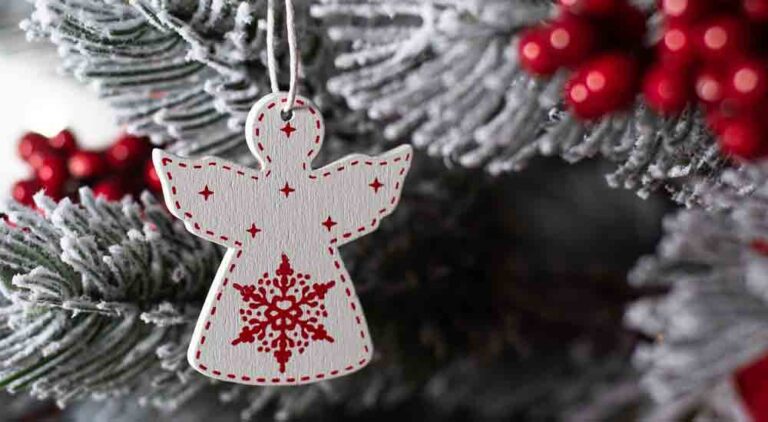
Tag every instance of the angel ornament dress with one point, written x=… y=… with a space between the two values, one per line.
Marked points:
x=282 y=309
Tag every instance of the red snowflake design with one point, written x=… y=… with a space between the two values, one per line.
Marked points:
x=282 y=314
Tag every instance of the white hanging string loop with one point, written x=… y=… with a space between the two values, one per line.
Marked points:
x=293 y=52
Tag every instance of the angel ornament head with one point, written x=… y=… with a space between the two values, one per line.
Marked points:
x=282 y=308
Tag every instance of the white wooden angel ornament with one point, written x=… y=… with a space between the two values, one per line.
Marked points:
x=282 y=308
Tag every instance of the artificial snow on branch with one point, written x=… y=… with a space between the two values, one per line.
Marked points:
x=713 y=266
x=95 y=297
x=169 y=69
x=445 y=74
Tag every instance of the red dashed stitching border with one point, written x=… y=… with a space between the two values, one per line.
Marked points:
x=317 y=125
x=187 y=216
x=405 y=159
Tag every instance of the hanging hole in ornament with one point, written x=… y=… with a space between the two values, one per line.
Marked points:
x=286 y=115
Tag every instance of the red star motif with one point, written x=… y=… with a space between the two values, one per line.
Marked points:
x=376 y=185
x=329 y=223
x=287 y=189
x=288 y=130
x=206 y=192
x=253 y=230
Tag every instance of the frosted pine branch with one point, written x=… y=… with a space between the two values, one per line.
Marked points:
x=444 y=73
x=170 y=69
x=92 y=294
x=714 y=318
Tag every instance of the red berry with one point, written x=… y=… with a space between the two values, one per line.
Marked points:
x=571 y=39
x=590 y=7
x=64 y=142
x=30 y=143
x=743 y=138
x=723 y=38
x=746 y=83
x=752 y=385
x=685 y=10
x=709 y=86
x=24 y=190
x=87 y=164
x=111 y=189
x=536 y=55
x=38 y=158
x=667 y=89
x=53 y=173
x=717 y=120
x=676 y=44
x=603 y=85
x=127 y=152
x=151 y=178
x=755 y=10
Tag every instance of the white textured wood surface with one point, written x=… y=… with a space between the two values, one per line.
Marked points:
x=285 y=219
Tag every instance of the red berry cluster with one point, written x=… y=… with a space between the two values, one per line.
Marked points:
x=602 y=42
x=709 y=52
x=60 y=167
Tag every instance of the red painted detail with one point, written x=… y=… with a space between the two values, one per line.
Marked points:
x=376 y=185
x=287 y=189
x=206 y=193
x=280 y=319
x=288 y=129
x=253 y=230
x=329 y=223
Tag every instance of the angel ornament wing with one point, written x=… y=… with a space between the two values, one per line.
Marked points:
x=282 y=309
